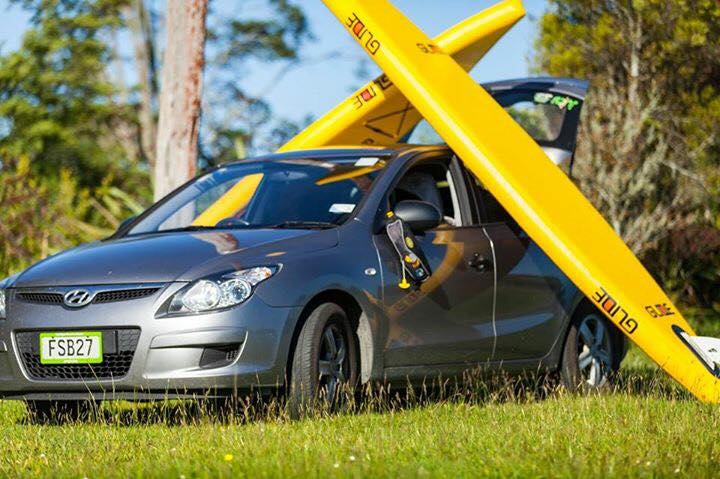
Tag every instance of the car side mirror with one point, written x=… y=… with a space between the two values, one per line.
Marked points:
x=420 y=216
x=125 y=222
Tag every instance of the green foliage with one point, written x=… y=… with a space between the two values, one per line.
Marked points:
x=60 y=113
x=650 y=139
x=57 y=104
x=690 y=261
x=75 y=124
x=44 y=215
x=29 y=206
x=676 y=44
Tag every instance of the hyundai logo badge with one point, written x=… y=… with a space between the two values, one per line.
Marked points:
x=77 y=298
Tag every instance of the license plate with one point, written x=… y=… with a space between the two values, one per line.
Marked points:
x=71 y=348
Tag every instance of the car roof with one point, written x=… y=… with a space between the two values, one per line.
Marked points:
x=341 y=152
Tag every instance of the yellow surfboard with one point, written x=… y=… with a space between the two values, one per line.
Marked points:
x=378 y=113
x=534 y=191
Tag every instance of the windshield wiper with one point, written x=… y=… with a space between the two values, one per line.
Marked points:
x=284 y=224
x=185 y=228
x=304 y=225
x=226 y=224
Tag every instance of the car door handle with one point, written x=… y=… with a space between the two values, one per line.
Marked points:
x=480 y=262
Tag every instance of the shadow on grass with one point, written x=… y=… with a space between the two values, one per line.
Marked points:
x=473 y=388
x=167 y=412
x=647 y=381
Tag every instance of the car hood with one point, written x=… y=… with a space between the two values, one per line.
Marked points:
x=175 y=256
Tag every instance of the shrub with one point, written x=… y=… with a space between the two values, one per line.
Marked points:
x=42 y=216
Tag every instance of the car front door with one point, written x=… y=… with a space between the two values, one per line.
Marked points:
x=448 y=320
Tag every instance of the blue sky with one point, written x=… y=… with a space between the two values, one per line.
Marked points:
x=316 y=86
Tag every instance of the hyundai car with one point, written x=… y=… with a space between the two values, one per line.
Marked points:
x=309 y=271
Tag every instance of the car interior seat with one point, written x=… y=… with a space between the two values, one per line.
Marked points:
x=422 y=186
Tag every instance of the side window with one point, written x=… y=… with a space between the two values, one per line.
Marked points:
x=494 y=212
x=542 y=121
x=431 y=182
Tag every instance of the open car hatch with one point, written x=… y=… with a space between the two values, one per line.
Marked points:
x=548 y=109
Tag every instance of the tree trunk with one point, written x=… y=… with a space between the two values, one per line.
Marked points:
x=144 y=45
x=177 y=140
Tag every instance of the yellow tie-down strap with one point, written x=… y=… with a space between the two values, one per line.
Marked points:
x=378 y=113
x=538 y=195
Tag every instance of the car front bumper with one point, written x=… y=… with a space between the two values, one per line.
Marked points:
x=167 y=360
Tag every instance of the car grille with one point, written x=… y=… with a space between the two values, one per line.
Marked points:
x=42 y=298
x=118 y=350
x=101 y=297
x=123 y=295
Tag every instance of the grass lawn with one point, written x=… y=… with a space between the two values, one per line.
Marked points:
x=647 y=427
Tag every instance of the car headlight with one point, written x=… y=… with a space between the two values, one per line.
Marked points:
x=218 y=292
x=4 y=285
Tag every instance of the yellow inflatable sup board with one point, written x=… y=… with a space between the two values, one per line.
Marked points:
x=378 y=113
x=534 y=191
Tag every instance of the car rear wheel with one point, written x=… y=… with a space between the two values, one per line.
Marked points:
x=324 y=366
x=60 y=411
x=592 y=353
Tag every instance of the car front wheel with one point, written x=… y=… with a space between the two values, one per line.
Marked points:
x=592 y=353
x=324 y=366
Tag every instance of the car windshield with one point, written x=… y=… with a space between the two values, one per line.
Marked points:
x=267 y=194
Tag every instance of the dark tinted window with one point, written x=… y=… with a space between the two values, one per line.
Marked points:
x=490 y=209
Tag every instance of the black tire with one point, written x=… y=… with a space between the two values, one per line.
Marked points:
x=591 y=367
x=321 y=378
x=58 y=412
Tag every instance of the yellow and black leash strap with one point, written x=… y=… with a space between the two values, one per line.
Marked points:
x=412 y=264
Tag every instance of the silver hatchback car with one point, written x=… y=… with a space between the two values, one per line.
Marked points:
x=309 y=270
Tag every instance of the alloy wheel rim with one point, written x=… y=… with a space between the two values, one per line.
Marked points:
x=332 y=363
x=594 y=360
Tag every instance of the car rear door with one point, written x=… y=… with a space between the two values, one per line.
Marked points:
x=534 y=298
